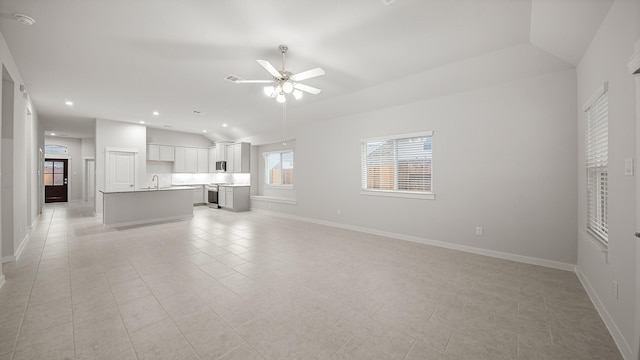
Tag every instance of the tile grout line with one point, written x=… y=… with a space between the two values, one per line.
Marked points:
x=26 y=308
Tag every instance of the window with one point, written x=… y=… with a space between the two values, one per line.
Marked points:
x=279 y=168
x=56 y=149
x=53 y=173
x=597 y=154
x=398 y=165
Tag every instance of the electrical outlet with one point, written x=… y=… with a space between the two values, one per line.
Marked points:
x=628 y=167
x=479 y=230
x=339 y=211
x=614 y=289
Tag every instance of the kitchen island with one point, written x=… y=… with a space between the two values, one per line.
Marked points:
x=147 y=205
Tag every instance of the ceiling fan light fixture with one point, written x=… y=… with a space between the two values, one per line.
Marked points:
x=281 y=98
x=269 y=90
x=297 y=94
x=287 y=87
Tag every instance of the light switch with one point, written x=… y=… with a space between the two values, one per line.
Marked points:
x=628 y=167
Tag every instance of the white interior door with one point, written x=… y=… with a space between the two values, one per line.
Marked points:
x=121 y=170
x=634 y=67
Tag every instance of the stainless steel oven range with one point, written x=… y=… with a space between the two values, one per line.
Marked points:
x=212 y=196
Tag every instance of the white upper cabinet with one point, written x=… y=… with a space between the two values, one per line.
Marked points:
x=179 y=163
x=167 y=153
x=203 y=160
x=160 y=152
x=238 y=157
x=191 y=160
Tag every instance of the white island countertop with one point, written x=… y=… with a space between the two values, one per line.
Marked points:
x=151 y=189
x=147 y=205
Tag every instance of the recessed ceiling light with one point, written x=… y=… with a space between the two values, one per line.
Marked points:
x=24 y=19
x=224 y=125
x=68 y=103
x=141 y=122
x=53 y=134
x=155 y=113
x=204 y=131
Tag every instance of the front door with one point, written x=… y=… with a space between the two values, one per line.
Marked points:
x=55 y=180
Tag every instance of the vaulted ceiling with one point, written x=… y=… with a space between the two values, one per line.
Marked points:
x=122 y=60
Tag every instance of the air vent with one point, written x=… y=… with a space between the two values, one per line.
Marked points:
x=232 y=78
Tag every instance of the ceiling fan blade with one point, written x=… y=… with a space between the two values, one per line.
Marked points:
x=307 y=88
x=307 y=74
x=254 y=82
x=272 y=70
x=239 y=80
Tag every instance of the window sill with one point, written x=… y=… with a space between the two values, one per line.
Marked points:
x=275 y=199
x=279 y=187
x=400 y=194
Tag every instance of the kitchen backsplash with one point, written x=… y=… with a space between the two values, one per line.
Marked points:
x=188 y=179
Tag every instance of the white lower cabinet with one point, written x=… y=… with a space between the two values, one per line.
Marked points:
x=198 y=195
x=235 y=198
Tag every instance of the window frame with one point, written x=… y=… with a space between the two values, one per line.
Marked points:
x=424 y=195
x=597 y=170
x=265 y=156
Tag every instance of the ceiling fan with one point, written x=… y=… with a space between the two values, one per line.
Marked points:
x=283 y=82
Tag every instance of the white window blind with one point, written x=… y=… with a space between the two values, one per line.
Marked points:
x=400 y=163
x=597 y=156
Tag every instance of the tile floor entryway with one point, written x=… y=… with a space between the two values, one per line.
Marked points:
x=254 y=286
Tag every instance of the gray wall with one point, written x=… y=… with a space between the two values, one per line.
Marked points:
x=19 y=150
x=606 y=60
x=116 y=134
x=504 y=158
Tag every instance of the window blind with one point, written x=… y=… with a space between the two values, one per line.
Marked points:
x=597 y=158
x=402 y=163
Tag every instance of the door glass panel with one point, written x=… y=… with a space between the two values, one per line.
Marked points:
x=58 y=179
x=48 y=179
x=58 y=167
x=48 y=167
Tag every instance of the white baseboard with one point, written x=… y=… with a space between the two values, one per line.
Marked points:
x=1 y=280
x=622 y=344
x=22 y=245
x=16 y=256
x=465 y=248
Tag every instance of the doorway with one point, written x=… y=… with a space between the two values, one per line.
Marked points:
x=55 y=180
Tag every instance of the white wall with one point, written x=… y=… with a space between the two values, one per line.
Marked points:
x=116 y=134
x=176 y=138
x=504 y=158
x=75 y=172
x=606 y=60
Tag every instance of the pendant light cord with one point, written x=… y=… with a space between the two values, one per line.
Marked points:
x=284 y=123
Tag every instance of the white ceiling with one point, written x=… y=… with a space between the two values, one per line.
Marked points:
x=122 y=59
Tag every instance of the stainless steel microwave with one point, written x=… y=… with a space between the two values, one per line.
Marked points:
x=221 y=166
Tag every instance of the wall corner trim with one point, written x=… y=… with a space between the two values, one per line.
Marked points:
x=1 y=280
x=615 y=332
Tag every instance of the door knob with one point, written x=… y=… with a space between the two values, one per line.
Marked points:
x=638 y=234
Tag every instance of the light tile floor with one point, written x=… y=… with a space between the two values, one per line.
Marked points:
x=253 y=286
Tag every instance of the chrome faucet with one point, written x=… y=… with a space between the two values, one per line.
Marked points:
x=157 y=180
